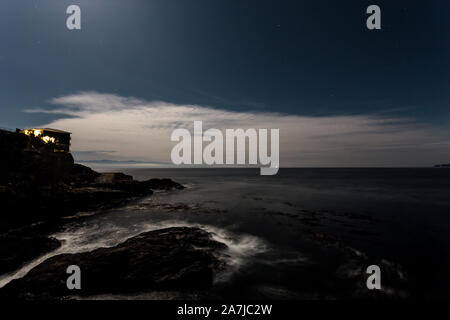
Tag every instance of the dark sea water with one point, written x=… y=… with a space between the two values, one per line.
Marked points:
x=277 y=228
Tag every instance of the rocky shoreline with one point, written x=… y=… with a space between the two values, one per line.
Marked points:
x=178 y=258
x=39 y=188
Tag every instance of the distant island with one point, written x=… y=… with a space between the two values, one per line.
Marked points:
x=442 y=166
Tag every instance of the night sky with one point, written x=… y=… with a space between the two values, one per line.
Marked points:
x=297 y=58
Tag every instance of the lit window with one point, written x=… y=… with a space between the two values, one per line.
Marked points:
x=48 y=139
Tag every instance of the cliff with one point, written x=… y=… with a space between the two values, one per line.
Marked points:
x=39 y=184
x=38 y=187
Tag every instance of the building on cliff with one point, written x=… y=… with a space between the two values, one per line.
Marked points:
x=60 y=139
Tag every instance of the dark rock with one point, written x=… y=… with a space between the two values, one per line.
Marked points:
x=18 y=248
x=113 y=178
x=38 y=185
x=82 y=175
x=25 y=162
x=91 y=198
x=167 y=259
x=162 y=184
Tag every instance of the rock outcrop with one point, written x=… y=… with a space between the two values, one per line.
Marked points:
x=39 y=187
x=168 y=259
x=38 y=184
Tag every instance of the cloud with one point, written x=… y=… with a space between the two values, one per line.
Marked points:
x=140 y=130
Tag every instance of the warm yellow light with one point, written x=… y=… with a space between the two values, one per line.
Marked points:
x=48 y=139
x=37 y=133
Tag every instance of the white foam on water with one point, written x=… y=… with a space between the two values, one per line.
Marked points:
x=241 y=248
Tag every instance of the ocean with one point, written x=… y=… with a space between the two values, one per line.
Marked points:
x=301 y=234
